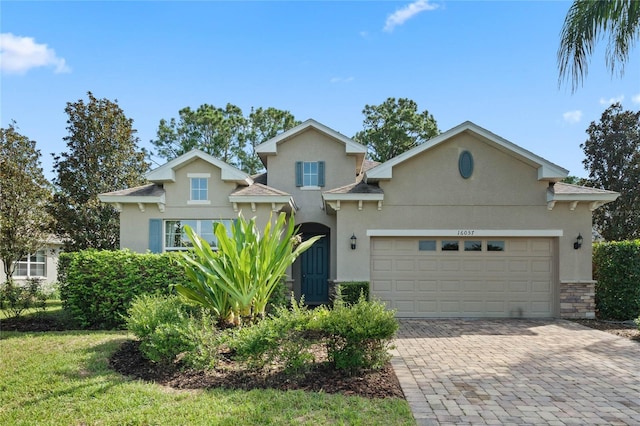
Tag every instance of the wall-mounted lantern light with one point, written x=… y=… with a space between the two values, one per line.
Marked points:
x=578 y=242
x=353 y=242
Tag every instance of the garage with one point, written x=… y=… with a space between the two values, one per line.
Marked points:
x=488 y=277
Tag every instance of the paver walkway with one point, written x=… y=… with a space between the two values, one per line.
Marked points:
x=517 y=372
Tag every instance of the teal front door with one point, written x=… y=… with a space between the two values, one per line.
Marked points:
x=315 y=272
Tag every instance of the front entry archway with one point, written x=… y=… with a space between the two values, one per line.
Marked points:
x=314 y=265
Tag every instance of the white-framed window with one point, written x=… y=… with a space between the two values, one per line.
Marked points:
x=310 y=174
x=199 y=188
x=33 y=265
x=175 y=237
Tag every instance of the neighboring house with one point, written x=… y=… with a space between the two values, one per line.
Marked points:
x=467 y=224
x=43 y=265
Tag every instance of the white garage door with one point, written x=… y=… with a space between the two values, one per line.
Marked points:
x=455 y=277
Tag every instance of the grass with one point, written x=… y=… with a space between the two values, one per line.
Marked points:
x=63 y=378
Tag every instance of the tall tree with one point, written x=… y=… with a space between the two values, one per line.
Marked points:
x=613 y=160
x=585 y=24
x=24 y=194
x=224 y=133
x=262 y=125
x=102 y=156
x=393 y=127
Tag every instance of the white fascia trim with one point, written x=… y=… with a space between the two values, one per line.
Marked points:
x=464 y=233
x=166 y=172
x=271 y=146
x=260 y=199
x=131 y=199
x=353 y=197
x=603 y=197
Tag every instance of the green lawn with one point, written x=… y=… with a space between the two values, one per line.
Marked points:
x=62 y=378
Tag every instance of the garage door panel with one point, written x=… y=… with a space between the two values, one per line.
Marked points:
x=382 y=265
x=429 y=265
x=541 y=265
x=541 y=247
x=404 y=265
x=518 y=286
x=404 y=286
x=511 y=283
x=518 y=265
x=379 y=286
x=404 y=306
x=428 y=286
x=542 y=287
x=450 y=265
x=496 y=265
x=476 y=265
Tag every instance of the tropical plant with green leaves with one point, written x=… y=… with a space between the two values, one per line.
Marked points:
x=236 y=281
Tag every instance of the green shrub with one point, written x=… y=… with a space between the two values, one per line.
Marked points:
x=97 y=287
x=282 y=338
x=160 y=322
x=617 y=271
x=16 y=298
x=350 y=291
x=205 y=339
x=358 y=336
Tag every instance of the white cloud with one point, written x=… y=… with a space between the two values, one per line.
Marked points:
x=572 y=117
x=400 y=16
x=636 y=99
x=19 y=54
x=611 y=101
x=341 y=79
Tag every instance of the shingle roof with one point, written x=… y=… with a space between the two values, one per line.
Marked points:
x=149 y=190
x=257 y=189
x=357 y=188
x=567 y=188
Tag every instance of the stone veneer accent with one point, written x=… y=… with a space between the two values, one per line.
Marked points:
x=578 y=299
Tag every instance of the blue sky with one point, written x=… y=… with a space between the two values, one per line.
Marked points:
x=493 y=63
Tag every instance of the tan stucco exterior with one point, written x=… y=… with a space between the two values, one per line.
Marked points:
x=509 y=194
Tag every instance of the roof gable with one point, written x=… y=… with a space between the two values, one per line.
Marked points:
x=546 y=169
x=166 y=172
x=270 y=147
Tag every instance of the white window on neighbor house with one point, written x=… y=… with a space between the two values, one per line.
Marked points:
x=199 y=188
x=33 y=265
x=175 y=237
x=310 y=174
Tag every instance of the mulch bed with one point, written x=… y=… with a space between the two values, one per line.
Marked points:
x=383 y=383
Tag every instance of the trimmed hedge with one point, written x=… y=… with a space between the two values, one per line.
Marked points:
x=350 y=291
x=616 y=267
x=97 y=287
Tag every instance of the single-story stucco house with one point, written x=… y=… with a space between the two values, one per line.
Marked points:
x=467 y=224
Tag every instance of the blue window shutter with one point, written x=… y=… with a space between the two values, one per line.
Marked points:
x=320 y=173
x=298 y=173
x=155 y=235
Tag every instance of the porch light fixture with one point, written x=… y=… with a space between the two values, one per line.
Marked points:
x=578 y=242
x=353 y=242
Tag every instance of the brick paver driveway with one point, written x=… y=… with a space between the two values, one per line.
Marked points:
x=517 y=372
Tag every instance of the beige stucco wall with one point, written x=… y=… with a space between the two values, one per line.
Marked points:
x=134 y=228
x=340 y=170
x=427 y=192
